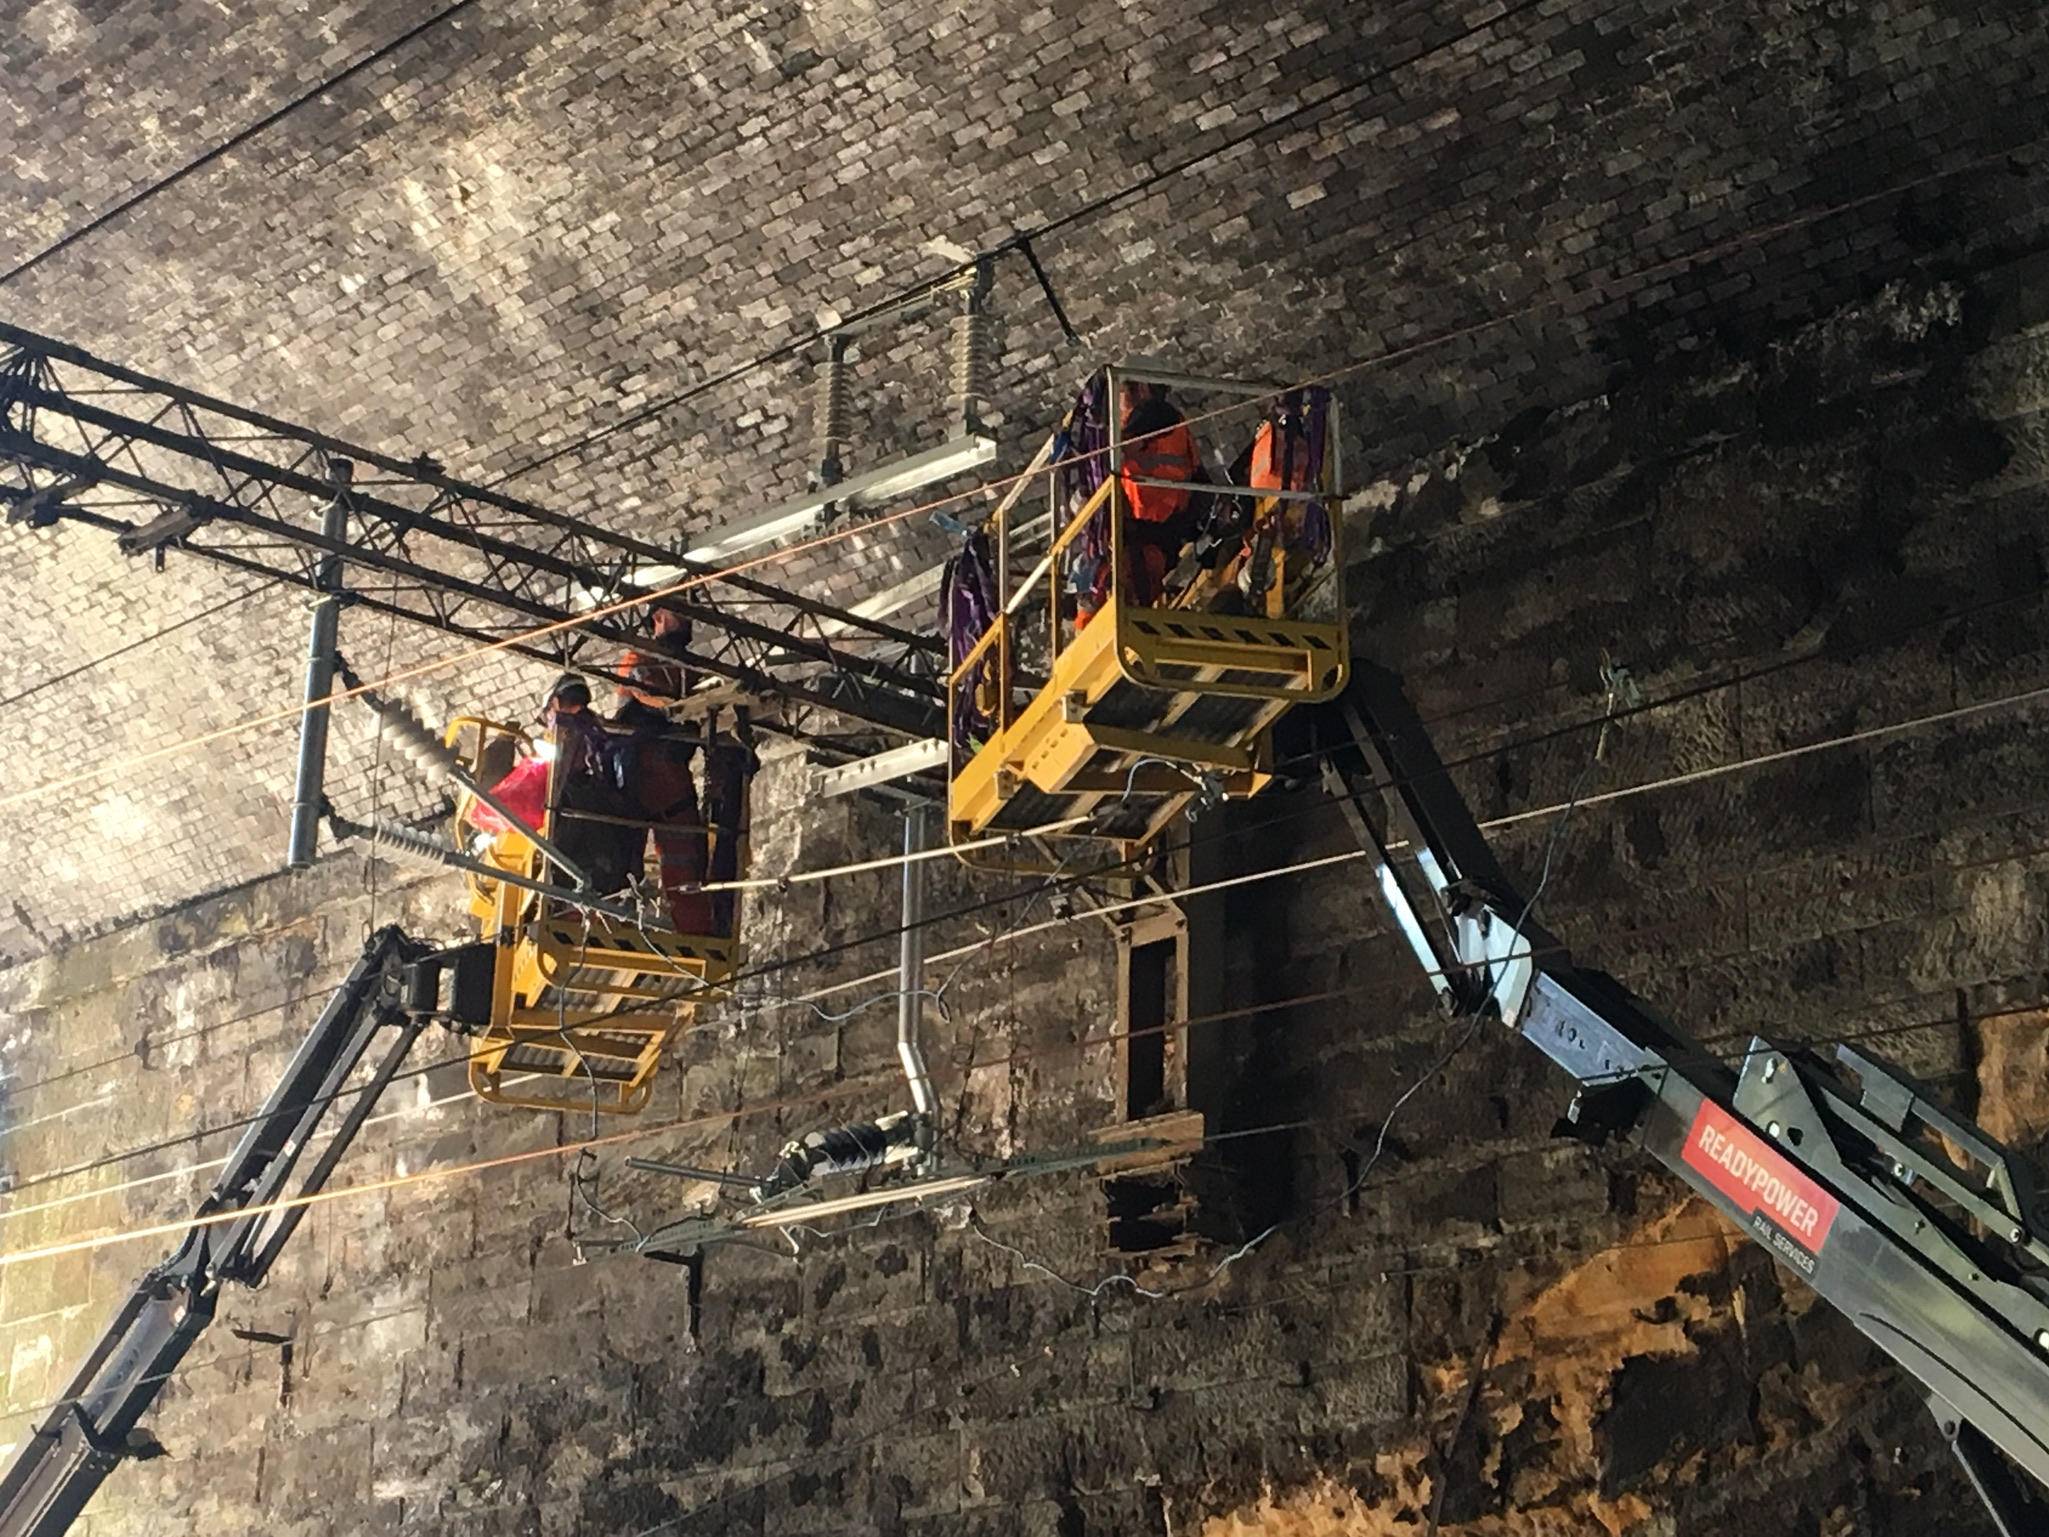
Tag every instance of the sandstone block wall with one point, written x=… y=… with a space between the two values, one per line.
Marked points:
x=1705 y=340
x=533 y=222
x=1836 y=534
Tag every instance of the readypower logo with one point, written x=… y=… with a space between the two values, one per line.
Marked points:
x=1790 y=1211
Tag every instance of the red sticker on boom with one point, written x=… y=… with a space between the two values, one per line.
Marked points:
x=1791 y=1213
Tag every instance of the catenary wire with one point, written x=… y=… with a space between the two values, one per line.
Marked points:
x=1023 y=238
x=370 y=1320
x=1700 y=1052
x=1442 y=1061
x=1401 y=1257
x=233 y=142
x=1018 y=241
x=1741 y=674
x=541 y=631
x=891 y=861
x=1604 y=798
x=809 y=958
x=201 y=1133
x=1016 y=932
x=731 y=375
x=1616 y=712
x=1786 y=754
x=1745 y=672
x=299 y=990
x=1959 y=712
x=982 y=943
x=1405 y=1253
x=436 y=1174
x=299 y=995
x=1381 y=359
x=1461 y=1044
x=137 y=644
x=1790 y=752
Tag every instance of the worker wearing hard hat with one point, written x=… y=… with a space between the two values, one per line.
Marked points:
x=1158 y=446
x=583 y=791
x=654 y=681
x=654 y=768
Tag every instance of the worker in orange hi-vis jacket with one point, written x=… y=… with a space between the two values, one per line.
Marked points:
x=1158 y=446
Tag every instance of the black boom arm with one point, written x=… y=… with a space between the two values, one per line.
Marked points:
x=240 y=1229
x=1925 y=1232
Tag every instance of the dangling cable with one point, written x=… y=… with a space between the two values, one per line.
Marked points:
x=585 y=1172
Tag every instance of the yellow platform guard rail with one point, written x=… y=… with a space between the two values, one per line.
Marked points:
x=1115 y=696
x=583 y=1004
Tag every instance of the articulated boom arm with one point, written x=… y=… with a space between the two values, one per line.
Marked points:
x=237 y=1237
x=1927 y=1233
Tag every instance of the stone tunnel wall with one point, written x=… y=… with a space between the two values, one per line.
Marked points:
x=536 y=220
x=1828 y=537
x=1701 y=339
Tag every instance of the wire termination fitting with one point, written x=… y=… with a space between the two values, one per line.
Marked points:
x=845 y=1150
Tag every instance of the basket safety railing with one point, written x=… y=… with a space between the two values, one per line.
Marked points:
x=1249 y=602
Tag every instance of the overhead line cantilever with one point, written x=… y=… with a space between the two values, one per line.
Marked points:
x=230 y=485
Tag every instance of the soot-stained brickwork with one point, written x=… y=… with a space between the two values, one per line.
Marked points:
x=1802 y=552
x=1705 y=340
x=534 y=221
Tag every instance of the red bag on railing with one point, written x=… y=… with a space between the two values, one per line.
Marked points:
x=524 y=791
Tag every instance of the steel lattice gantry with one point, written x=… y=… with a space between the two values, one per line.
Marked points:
x=163 y=468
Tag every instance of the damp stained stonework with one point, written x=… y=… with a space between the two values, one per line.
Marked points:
x=1709 y=340
x=1643 y=1368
